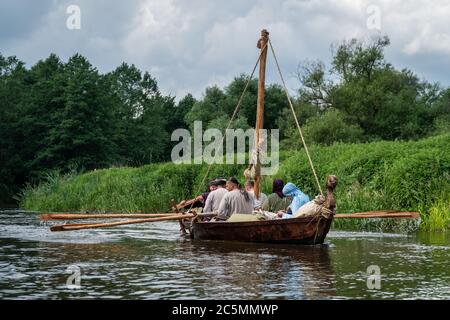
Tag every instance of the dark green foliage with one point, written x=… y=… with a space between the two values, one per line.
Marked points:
x=209 y=108
x=81 y=125
x=176 y=121
x=371 y=94
x=220 y=104
x=327 y=128
x=60 y=116
x=12 y=92
x=142 y=114
x=441 y=113
x=389 y=106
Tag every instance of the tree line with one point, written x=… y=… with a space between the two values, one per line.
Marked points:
x=63 y=116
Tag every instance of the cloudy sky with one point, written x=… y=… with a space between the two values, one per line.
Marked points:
x=189 y=45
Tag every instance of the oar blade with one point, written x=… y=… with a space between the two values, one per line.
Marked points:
x=57 y=228
x=45 y=217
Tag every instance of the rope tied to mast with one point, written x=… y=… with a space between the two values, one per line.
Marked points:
x=295 y=118
x=265 y=36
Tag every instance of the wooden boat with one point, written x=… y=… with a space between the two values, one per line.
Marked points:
x=295 y=230
x=301 y=230
x=311 y=229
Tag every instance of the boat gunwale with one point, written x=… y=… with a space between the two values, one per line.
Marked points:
x=297 y=220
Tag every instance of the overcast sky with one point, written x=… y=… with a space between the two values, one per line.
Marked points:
x=189 y=45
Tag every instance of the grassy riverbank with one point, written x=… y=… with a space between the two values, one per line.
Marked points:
x=412 y=175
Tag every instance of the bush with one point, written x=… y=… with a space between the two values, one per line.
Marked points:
x=441 y=125
x=326 y=129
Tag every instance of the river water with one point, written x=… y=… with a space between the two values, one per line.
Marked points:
x=152 y=261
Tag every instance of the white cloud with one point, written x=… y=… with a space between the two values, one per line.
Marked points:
x=188 y=45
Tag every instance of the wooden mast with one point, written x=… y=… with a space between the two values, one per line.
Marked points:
x=262 y=45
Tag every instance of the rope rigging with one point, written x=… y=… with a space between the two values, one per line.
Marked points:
x=291 y=107
x=295 y=118
x=236 y=110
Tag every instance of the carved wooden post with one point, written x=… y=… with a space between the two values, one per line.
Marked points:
x=175 y=209
x=330 y=203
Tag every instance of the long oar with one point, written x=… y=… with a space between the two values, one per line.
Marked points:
x=379 y=214
x=80 y=226
x=74 y=216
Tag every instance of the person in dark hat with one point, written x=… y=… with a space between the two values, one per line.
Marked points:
x=212 y=185
x=277 y=201
x=200 y=200
x=237 y=200
x=215 y=197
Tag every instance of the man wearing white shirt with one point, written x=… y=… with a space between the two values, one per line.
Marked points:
x=215 y=197
x=258 y=202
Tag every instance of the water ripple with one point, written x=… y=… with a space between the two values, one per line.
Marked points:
x=152 y=261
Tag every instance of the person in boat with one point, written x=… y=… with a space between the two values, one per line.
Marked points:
x=298 y=198
x=258 y=202
x=212 y=185
x=237 y=200
x=215 y=197
x=277 y=202
x=200 y=201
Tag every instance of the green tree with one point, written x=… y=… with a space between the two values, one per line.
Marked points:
x=209 y=108
x=441 y=113
x=151 y=138
x=12 y=89
x=82 y=128
x=315 y=87
x=384 y=102
x=327 y=128
x=220 y=104
x=142 y=116
x=303 y=111
x=274 y=101
x=176 y=120
x=44 y=99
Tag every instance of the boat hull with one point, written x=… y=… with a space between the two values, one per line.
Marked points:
x=307 y=230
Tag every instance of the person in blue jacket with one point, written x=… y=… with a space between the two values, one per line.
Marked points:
x=299 y=198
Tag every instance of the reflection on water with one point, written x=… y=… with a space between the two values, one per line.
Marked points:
x=154 y=262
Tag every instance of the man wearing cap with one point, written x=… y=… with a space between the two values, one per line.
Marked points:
x=215 y=197
x=237 y=200
x=200 y=201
